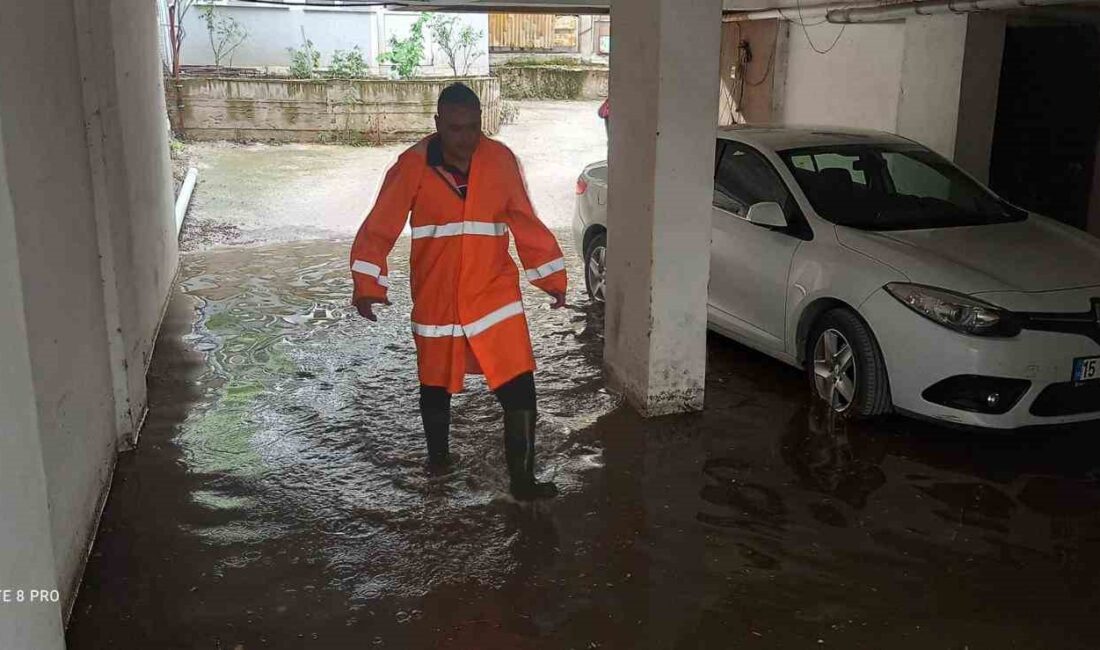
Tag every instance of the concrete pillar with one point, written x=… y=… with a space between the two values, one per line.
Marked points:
x=586 y=37
x=664 y=100
x=376 y=45
x=951 y=70
x=123 y=97
x=26 y=547
x=109 y=191
x=146 y=242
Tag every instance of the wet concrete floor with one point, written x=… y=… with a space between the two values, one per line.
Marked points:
x=278 y=499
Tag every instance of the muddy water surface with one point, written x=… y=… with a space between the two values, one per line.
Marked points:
x=279 y=499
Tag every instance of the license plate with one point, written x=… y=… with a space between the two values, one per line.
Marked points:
x=1086 y=369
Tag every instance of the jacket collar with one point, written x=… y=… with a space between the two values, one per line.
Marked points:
x=435 y=151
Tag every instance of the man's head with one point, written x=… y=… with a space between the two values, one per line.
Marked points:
x=458 y=121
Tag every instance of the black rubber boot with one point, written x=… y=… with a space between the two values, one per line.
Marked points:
x=519 y=451
x=437 y=430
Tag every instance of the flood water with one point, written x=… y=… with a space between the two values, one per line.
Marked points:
x=279 y=499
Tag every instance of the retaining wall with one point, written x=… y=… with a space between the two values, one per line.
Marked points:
x=292 y=110
x=552 y=82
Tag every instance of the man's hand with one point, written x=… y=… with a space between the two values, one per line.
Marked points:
x=365 y=306
x=559 y=300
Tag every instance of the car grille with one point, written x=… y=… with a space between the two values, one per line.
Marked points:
x=1082 y=323
x=1067 y=399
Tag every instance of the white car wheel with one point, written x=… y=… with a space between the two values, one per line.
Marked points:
x=595 y=268
x=845 y=366
x=835 y=374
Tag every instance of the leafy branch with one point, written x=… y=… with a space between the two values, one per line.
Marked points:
x=458 y=43
x=226 y=34
x=406 y=53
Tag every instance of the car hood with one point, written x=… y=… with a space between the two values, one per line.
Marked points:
x=1036 y=254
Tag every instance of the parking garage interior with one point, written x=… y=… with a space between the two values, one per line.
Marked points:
x=707 y=498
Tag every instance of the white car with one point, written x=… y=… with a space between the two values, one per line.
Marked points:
x=892 y=277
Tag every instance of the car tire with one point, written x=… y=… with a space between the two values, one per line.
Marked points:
x=595 y=267
x=829 y=369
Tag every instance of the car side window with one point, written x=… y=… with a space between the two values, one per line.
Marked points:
x=744 y=178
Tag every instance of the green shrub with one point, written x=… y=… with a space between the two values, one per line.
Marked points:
x=549 y=61
x=304 y=61
x=406 y=53
x=348 y=65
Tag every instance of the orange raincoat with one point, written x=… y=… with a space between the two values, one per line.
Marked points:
x=467 y=310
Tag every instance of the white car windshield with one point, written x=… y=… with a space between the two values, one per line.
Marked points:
x=893 y=187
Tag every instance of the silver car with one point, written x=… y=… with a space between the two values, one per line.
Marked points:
x=897 y=281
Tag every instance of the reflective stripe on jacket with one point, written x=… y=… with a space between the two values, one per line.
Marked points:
x=467 y=310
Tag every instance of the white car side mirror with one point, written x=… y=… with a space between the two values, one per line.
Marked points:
x=767 y=213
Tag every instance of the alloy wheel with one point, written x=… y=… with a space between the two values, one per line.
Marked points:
x=834 y=370
x=597 y=271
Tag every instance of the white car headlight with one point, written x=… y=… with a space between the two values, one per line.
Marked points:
x=958 y=312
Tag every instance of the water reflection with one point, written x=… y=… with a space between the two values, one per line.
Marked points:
x=829 y=458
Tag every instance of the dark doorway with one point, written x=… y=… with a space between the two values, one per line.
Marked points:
x=1048 y=117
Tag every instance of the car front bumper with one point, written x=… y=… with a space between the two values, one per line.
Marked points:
x=920 y=354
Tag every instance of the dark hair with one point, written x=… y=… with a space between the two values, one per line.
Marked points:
x=458 y=94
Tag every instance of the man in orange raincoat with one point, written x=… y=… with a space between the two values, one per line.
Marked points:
x=466 y=194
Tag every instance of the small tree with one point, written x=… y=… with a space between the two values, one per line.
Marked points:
x=406 y=53
x=177 y=10
x=226 y=34
x=348 y=65
x=458 y=43
x=304 y=61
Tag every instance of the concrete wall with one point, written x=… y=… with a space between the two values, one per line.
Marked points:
x=50 y=183
x=934 y=52
x=551 y=82
x=85 y=169
x=309 y=111
x=26 y=546
x=920 y=78
x=857 y=83
x=950 y=74
x=751 y=97
x=272 y=29
x=979 y=82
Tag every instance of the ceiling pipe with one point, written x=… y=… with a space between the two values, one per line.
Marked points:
x=807 y=11
x=901 y=11
x=874 y=12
